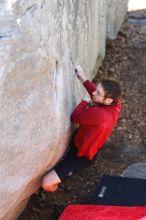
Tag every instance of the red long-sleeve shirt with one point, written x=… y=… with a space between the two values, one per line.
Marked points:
x=95 y=124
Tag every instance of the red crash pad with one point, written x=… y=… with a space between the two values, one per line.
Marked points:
x=100 y=212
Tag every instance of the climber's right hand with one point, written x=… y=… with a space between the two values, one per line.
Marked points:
x=80 y=74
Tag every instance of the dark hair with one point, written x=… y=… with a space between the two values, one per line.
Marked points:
x=112 y=89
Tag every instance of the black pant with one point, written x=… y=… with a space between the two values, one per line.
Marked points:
x=71 y=163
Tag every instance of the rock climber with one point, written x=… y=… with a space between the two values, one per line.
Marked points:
x=96 y=116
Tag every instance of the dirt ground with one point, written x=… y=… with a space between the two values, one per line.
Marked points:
x=125 y=61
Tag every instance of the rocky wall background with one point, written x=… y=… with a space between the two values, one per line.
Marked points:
x=41 y=41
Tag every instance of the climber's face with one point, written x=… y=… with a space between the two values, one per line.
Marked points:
x=98 y=96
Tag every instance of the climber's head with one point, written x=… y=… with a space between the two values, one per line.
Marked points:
x=108 y=92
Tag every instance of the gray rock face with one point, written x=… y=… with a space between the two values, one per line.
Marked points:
x=41 y=41
x=115 y=12
x=136 y=170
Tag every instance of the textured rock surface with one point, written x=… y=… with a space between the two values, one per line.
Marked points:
x=40 y=43
x=115 y=16
x=137 y=170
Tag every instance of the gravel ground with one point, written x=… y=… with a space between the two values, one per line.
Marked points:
x=125 y=61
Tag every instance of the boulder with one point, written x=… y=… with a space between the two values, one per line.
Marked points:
x=41 y=41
